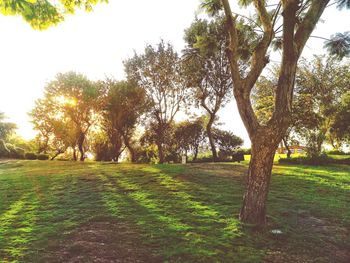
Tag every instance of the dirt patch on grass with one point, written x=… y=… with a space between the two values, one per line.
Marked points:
x=224 y=170
x=103 y=242
x=332 y=244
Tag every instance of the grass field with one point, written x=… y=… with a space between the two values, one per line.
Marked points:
x=73 y=212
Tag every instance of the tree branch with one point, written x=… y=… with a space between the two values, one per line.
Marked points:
x=233 y=43
x=259 y=59
x=308 y=24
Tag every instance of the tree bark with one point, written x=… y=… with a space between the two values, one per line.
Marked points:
x=195 y=154
x=56 y=154
x=160 y=152
x=130 y=148
x=210 y=137
x=75 y=158
x=289 y=152
x=253 y=210
x=265 y=139
x=81 y=147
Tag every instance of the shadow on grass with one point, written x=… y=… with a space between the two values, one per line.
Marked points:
x=181 y=213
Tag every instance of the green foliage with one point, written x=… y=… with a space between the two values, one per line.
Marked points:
x=159 y=72
x=212 y=7
x=42 y=156
x=226 y=142
x=338 y=152
x=206 y=65
x=147 y=154
x=15 y=151
x=66 y=113
x=319 y=87
x=190 y=135
x=103 y=148
x=341 y=123
x=4 y=152
x=123 y=106
x=43 y=14
x=30 y=156
x=6 y=128
x=339 y=45
x=343 y=4
x=322 y=159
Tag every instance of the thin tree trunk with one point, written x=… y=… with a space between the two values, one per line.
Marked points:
x=289 y=152
x=81 y=146
x=160 y=152
x=130 y=149
x=210 y=137
x=195 y=153
x=253 y=210
x=57 y=154
x=75 y=158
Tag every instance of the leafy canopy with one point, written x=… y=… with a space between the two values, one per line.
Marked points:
x=41 y=14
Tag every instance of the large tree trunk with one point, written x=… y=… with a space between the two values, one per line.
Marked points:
x=211 y=139
x=253 y=210
x=265 y=139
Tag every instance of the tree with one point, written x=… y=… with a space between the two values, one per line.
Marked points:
x=226 y=142
x=43 y=14
x=341 y=124
x=159 y=72
x=292 y=30
x=6 y=128
x=189 y=135
x=57 y=133
x=320 y=85
x=122 y=108
x=208 y=69
x=67 y=111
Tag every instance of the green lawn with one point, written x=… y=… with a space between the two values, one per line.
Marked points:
x=59 y=211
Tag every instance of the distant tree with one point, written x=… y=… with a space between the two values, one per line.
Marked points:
x=123 y=106
x=226 y=142
x=341 y=124
x=159 y=72
x=189 y=135
x=57 y=133
x=6 y=128
x=320 y=85
x=106 y=149
x=207 y=69
x=67 y=111
x=170 y=148
x=43 y=14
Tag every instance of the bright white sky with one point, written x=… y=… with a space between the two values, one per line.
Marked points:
x=96 y=44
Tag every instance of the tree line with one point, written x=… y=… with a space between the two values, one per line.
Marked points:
x=281 y=25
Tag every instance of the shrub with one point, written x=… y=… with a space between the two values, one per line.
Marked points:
x=247 y=151
x=15 y=152
x=30 y=156
x=43 y=156
x=319 y=160
x=338 y=152
x=4 y=151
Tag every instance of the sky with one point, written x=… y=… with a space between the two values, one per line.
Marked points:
x=96 y=43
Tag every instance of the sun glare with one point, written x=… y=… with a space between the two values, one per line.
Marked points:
x=66 y=101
